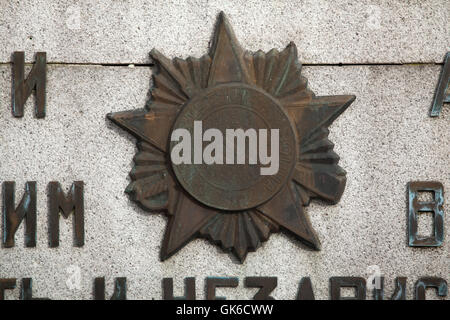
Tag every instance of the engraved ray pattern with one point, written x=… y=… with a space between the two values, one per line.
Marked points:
x=250 y=229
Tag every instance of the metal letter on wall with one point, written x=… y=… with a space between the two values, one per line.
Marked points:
x=234 y=205
x=120 y=289
x=399 y=291
x=442 y=94
x=58 y=202
x=358 y=283
x=305 y=290
x=22 y=88
x=12 y=217
x=26 y=290
x=265 y=284
x=416 y=207
x=189 y=289
x=439 y=284
x=6 y=284
x=215 y=282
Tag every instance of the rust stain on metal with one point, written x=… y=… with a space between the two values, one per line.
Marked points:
x=233 y=205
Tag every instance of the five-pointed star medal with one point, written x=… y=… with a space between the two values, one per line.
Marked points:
x=233 y=206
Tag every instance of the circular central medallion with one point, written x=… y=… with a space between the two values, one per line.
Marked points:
x=241 y=147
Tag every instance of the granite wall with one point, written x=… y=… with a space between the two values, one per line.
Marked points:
x=387 y=53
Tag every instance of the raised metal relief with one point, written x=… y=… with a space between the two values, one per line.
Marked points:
x=23 y=87
x=442 y=94
x=434 y=206
x=233 y=205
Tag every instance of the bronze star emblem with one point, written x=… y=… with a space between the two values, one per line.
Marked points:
x=232 y=205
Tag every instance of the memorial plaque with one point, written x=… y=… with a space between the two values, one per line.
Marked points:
x=169 y=151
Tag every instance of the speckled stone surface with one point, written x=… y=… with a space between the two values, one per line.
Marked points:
x=385 y=139
x=326 y=32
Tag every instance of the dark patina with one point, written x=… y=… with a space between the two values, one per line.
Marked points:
x=232 y=205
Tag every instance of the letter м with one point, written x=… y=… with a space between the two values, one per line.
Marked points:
x=73 y=202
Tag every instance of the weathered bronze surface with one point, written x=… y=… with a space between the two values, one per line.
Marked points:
x=58 y=202
x=265 y=284
x=442 y=94
x=415 y=207
x=12 y=218
x=399 y=291
x=336 y=283
x=72 y=203
x=439 y=284
x=235 y=186
x=26 y=290
x=22 y=88
x=120 y=289
x=189 y=289
x=232 y=205
x=215 y=282
x=6 y=284
x=305 y=289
